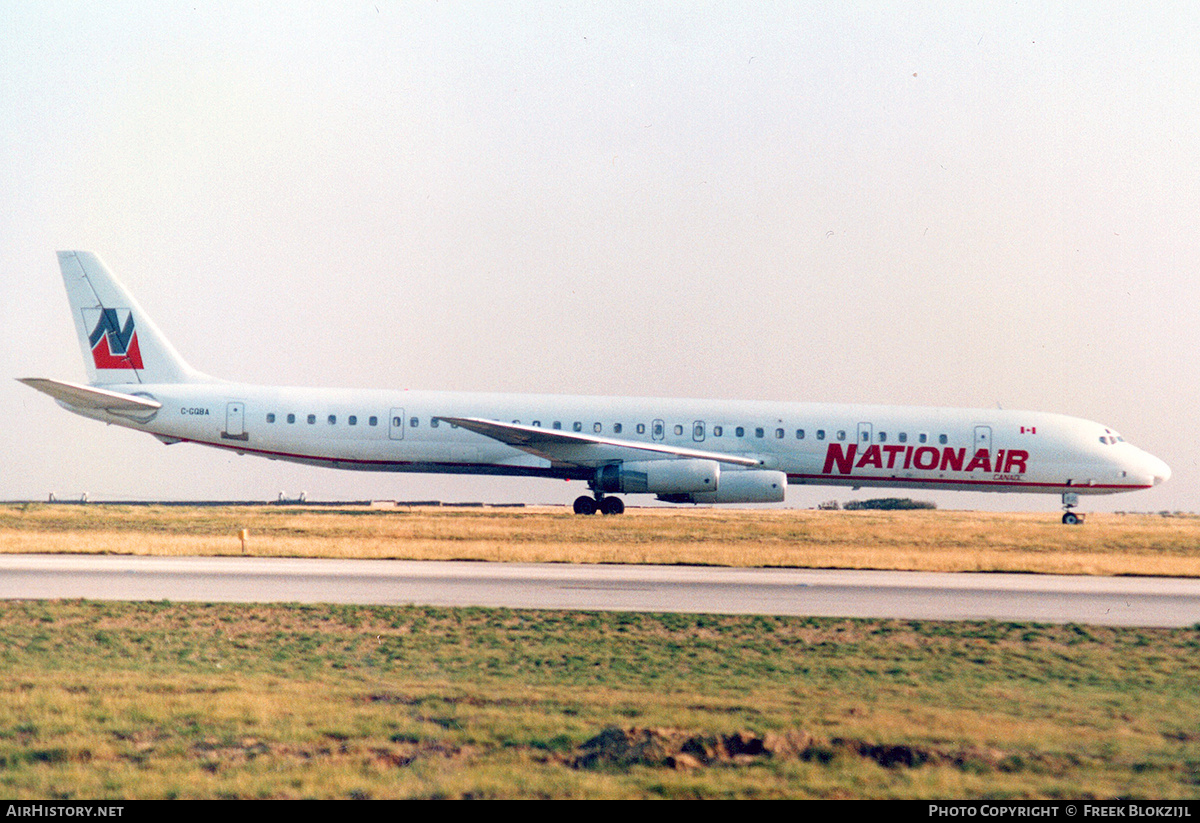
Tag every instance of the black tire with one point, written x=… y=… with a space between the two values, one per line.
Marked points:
x=585 y=505
x=612 y=505
x=1071 y=519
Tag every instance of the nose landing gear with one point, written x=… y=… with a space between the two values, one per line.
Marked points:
x=1071 y=500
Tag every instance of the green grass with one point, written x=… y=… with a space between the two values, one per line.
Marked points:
x=116 y=700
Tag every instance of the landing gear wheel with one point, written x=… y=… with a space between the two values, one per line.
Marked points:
x=585 y=505
x=1071 y=500
x=612 y=505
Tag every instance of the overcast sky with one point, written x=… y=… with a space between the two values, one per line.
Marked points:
x=952 y=204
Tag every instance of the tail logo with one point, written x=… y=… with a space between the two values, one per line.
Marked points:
x=114 y=339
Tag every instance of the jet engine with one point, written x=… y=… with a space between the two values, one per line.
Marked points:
x=751 y=486
x=669 y=477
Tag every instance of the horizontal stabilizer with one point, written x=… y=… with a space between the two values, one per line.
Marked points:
x=562 y=446
x=89 y=397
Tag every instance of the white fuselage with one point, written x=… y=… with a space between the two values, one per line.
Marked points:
x=683 y=451
x=812 y=443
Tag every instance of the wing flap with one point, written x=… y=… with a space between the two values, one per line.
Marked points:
x=583 y=449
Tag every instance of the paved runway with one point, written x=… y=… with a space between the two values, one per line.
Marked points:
x=1130 y=601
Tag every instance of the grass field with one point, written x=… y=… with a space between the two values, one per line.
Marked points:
x=910 y=540
x=115 y=700
x=120 y=700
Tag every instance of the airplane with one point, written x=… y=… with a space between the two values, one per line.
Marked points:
x=681 y=451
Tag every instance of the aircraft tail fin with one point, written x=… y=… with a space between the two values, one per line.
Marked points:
x=120 y=342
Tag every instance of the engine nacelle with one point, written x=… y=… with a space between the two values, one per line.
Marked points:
x=752 y=486
x=660 y=477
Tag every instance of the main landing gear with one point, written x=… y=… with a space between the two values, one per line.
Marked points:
x=1071 y=500
x=604 y=505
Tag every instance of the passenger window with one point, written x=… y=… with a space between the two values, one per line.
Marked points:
x=820 y=434
x=353 y=420
x=902 y=437
x=641 y=428
x=416 y=421
x=779 y=434
x=799 y=434
x=597 y=428
x=717 y=431
x=374 y=421
x=943 y=439
x=883 y=437
x=433 y=422
x=271 y=417
x=678 y=430
x=658 y=430
x=841 y=434
x=537 y=424
x=866 y=437
x=577 y=426
x=739 y=431
x=312 y=418
x=557 y=424
x=758 y=432
x=397 y=422
x=333 y=419
x=617 y=428
x=922 y=438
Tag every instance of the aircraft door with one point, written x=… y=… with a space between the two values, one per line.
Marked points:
x=983 y=438
x=698 y=431
x=396 y=425
x=235 y=422
x=658 y=430
x=865 y=434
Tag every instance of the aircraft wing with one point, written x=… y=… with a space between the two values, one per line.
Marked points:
x=584 y=449
x=89 y=397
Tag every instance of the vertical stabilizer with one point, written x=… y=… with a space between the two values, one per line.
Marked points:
x=120 y=343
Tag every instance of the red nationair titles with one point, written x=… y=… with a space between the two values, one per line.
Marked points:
x=839 y=460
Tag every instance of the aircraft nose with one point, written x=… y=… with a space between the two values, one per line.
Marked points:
x=1160 y=470
x=1153 y=469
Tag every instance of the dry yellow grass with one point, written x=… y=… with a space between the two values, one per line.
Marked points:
x=915 y=540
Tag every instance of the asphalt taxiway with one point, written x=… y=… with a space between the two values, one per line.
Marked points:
x=1119 y=601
